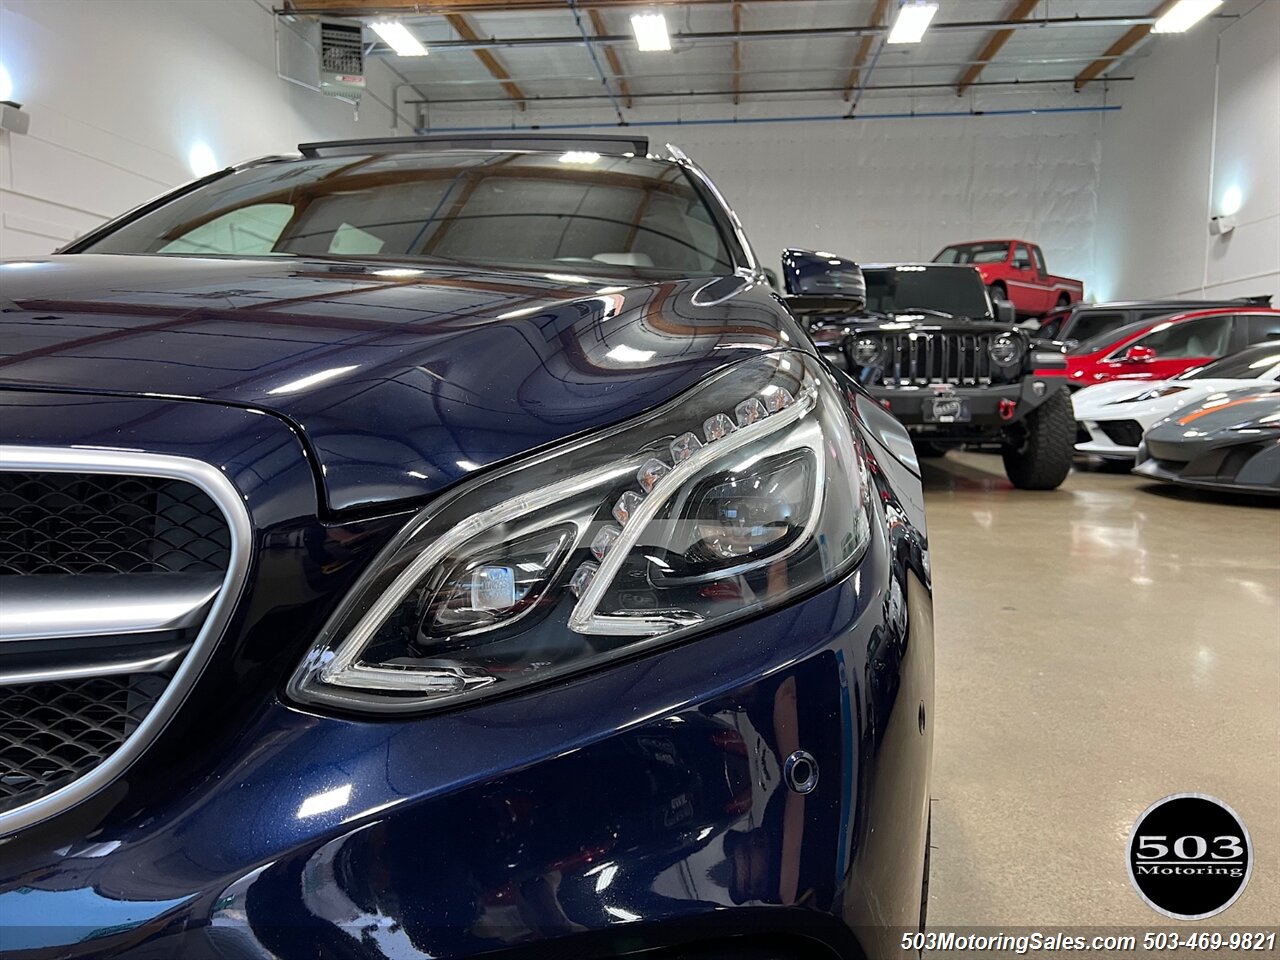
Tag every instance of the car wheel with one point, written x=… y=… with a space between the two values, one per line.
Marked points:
x=928 y=448
x=998 y=291
x=1063 y=301
x=1041 y=457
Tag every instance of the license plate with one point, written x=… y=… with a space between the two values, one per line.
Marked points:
x=946 y=410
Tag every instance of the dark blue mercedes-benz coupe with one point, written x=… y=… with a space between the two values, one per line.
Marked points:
x=444 y=548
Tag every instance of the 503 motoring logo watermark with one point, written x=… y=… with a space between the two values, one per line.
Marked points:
x=1190 y=856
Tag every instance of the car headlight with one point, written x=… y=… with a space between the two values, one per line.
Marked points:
x=866 y=351
x=1006 y=349
x=743 y=493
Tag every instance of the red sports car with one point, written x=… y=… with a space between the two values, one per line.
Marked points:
x=1162 y=347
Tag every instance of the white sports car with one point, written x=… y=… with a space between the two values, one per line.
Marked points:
x=1112 y=417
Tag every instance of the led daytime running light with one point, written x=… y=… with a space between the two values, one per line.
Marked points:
x=584 y=618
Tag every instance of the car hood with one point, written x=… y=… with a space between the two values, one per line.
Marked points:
x=1250 y=409
x=1117 y=399
x=401 y=378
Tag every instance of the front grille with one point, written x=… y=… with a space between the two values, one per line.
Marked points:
x=963 y=359
x=54 y=733
x=1126 y=433
x=146 y=554
x=93 y=523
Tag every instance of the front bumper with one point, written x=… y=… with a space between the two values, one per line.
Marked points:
x=636 y=807
x=991 y=407
x=1250 y=467
x=1100 y=445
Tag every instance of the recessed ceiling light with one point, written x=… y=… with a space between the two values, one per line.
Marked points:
x=913 y=20
x=397 y=36
x=1184 y=15
x=651 y=31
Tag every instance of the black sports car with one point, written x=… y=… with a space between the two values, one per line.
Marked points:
x=1230 y=441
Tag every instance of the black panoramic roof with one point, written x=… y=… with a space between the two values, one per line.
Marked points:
x=517 y=140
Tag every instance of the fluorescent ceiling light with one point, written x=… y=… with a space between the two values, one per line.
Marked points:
x=913 y=20
x=1185 y=15
x=397 y=36
x=651 y=31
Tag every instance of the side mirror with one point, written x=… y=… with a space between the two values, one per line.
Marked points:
x=822 y=284
x=1022 y=264
x=1006 y=312
x=1139 y=354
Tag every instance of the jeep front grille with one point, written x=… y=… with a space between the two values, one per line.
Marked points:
x=921 y=358
x=117 y=572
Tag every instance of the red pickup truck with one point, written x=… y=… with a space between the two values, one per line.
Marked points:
x=1014 y=270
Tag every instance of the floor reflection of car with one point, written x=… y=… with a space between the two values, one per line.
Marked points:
x=1115 y=415
x=483 y=563
x=1165 y=347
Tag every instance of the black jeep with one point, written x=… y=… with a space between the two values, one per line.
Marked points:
x=933 y=348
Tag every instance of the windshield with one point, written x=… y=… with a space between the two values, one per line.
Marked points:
x=1246 y=365
x=1110 y=335
x=957 y=292
x=991 y=252
x=573 y=213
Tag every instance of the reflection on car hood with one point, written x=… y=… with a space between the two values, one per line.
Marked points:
x=402 y=378
x=1221 y=412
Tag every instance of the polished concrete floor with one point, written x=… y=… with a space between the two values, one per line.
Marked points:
x=1098 y=648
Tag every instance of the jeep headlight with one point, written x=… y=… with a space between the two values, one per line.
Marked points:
x=1006 y=349
x=866 y=351
x=737 y=497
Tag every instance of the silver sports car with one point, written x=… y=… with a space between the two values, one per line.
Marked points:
x=1230 y=441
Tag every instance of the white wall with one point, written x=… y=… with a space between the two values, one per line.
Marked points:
x=118 y=93
x=1203 y=116
x=902 y=189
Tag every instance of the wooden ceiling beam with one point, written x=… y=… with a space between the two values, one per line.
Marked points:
x=1131 y=39
x=1020 y=10
x=431 y=7
x=467 y=32
x=611 y=56
x=864 y=49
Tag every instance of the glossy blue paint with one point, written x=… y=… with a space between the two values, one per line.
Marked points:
x=637 y=806
x=399 y=386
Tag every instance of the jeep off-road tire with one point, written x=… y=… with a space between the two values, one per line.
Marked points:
x=1041 y=459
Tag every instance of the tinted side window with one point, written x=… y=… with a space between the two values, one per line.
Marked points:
x=1263 y=327
x=1049 y=329
x=1207 y=337
x=1020 y=254
x=1089 y=325
x=1038 y=257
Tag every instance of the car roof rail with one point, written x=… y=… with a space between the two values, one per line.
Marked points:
x=516 y=140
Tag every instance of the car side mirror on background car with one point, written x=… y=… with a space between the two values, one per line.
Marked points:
x=1005 y=311
x=822 y=284
x=1022 y=264
x=1138 y=354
